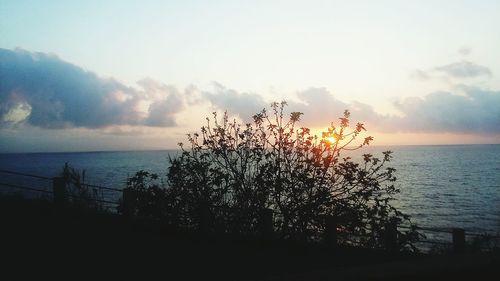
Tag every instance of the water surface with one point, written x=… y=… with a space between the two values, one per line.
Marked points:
x=444 y=186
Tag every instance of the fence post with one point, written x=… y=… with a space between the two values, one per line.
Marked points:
x=267 y=223
x=331 y=231
x=59 y=190
x=458 y=240
x=129 y=198
x=391 y=235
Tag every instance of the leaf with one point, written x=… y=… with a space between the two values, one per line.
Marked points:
x=368 y=140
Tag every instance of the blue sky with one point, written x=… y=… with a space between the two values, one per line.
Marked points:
x=403 y=59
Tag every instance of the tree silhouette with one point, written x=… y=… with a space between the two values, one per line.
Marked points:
x=230 y=174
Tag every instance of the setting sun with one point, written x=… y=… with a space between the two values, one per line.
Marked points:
x=331 y=140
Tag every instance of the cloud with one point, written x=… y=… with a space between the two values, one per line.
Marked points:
x=465 y=51
x=245 y=105
x=464 y=69
x=166 y=102
x=41 y=90
x=317 y=104
x=460 y=70
x=420 y=75
x=471 y=110
x=44 y=91
x=477 y=111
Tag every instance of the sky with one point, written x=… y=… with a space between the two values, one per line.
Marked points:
x=120 y=75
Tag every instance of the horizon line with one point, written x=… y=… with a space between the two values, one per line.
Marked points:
x=178 y=149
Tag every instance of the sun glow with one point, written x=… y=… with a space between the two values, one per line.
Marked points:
x=331 y=140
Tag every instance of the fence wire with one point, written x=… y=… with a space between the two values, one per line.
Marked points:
x=12 y=182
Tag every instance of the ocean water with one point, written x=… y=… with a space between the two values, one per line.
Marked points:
x=441 y=186
x=449 y=186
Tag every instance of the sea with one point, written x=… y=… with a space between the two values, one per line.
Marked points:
x=441 y=186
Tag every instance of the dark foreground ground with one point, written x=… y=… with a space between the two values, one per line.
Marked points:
x=37 y=239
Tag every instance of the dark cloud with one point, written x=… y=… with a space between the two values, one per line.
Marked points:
x=44 y=91
x=464 y=69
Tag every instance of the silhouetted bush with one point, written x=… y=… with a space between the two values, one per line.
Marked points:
x=78 y=192
x=230 y=173
x=150 y=198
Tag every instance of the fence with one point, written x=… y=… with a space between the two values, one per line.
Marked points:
x=59 y=189
x=56 y=188
x=438 y=238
